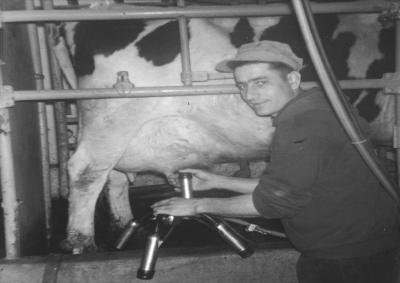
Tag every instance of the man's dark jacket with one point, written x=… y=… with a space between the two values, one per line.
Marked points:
x=330 y=203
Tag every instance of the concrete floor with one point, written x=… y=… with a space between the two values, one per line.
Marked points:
x=270 y=263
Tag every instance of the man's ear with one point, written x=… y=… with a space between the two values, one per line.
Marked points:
x=294 y=79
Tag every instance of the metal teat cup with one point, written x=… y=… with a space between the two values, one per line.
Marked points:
x=131 y=228
x=147 y=265
x=231 y=237
x=185 y=180
x=149 y=258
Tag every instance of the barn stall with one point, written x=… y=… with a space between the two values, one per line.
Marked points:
x=29 y=160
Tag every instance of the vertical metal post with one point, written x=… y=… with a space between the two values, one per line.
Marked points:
x=59 y=107
x=50 y=119
x=186 y=76
x=397 y=99
x=44 y=154
x=8 y=188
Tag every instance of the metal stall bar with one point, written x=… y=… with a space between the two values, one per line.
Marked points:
x=59 y=108
x=186 y=75
x=8 y=188
x=42 y=95
x=190 y=12
x=49 y=108
x=38 y=69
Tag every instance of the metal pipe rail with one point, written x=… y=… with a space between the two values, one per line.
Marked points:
x=168 y=91
x=8 y=192
x=186 y=74
x=36 y=43
x=128 y=12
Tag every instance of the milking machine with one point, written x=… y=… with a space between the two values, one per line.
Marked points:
x=162 y=225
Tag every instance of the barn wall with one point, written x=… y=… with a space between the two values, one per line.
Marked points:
x=18 y=72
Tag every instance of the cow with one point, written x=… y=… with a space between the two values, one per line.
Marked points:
x=118 y=137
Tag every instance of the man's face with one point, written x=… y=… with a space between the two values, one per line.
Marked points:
x=264 y=89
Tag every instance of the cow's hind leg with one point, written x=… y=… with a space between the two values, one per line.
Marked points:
x=87 y=178
x=117 y=191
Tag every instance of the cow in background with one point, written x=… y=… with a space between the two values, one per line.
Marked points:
x=119 y=136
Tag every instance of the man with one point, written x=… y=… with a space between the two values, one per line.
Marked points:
x=333 y=209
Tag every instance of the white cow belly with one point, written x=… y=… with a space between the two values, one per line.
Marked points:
x=175 y=142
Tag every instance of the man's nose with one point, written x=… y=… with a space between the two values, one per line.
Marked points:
x=250 y=94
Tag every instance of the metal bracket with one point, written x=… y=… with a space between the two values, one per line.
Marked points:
x=199 y=76
x=123 y=84
x=186 y=77
x=6 y=96
x=394 y=84
x=37 y=77
x=204 y=76
x=391 y=13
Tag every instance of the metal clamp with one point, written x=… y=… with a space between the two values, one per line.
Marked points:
x=204 y=76
x=200 y=76
x=123 y=84
x=186 y=77
x=38 y=76
x=393 y=84
x=6 y=96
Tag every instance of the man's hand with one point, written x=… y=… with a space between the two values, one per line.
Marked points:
x=176 y=207
x=235 y=206
x=202 y=180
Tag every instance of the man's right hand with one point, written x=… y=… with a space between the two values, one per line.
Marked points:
x=202 y=180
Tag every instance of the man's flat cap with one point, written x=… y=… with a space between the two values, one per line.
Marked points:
x=262 y=51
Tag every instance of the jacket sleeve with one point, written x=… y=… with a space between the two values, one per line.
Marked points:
x=299 y=150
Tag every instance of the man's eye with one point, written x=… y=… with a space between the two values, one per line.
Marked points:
x=260 y=83
x=241 y=87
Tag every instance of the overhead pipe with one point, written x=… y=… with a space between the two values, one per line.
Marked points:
x=276 y=9
x=336 y=96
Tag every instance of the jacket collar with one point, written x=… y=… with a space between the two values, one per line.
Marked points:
x=305 y=100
